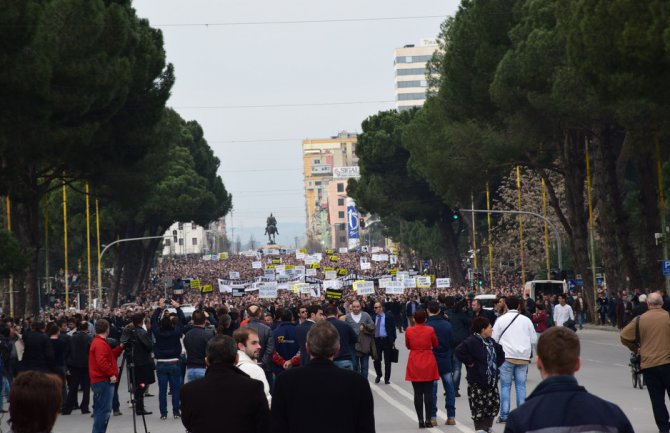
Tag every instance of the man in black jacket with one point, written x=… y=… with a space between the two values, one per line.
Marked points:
x=314 y=314
x=558 y=402
x=348 y=339
x=138 y=352
x=38 y=353
x=77 y=365
x=345 y=405
x=385 y=336
x=195 y=342
x=205 y=408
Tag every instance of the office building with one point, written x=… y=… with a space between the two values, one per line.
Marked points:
x=410 y=73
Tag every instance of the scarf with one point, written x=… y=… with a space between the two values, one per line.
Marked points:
x=491 y=367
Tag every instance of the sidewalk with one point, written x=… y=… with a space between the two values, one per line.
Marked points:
x=601 y=327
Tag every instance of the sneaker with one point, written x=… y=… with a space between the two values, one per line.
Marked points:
x=502 y=420
x=177 y=416
x=450 y=421
x=117 y=413
x=458 y=394
x=163 y=417
x=433 y=421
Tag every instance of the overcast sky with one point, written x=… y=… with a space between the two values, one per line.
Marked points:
x=220 y=68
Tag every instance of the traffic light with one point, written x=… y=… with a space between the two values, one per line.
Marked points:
x=481 y=282
x=455 y=215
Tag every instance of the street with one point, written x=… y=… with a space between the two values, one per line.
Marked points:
x=605 y=373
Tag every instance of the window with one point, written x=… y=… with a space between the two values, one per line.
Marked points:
x=411 y=96
x=423 y=83
x=411 y=71
x=340 y=187
x=174 y=233
x=342 y=226
x=413 y=59
x=340 y=214
x=195 y=241
x=343 y=239
x=316 y=161
x=413 y=83
x=340 y=202
x=317 y=183
x=408 y=59
x=181 y=242
x=167 y=242
x=181 y=226
x=194 y=226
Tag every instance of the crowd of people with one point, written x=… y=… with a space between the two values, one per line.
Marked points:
x=267 y=339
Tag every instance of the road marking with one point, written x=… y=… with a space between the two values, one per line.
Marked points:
x=604 y=363
x=412 y=415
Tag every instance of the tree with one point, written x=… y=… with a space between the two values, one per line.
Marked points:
x=388 y=187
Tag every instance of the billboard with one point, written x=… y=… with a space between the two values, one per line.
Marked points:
x=346 y=172
x=353 y=227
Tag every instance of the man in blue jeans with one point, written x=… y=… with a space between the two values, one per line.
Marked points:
x=443 y=355
x=516 y=334
x=104 y=373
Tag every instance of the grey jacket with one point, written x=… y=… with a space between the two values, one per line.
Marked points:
x=365 y=320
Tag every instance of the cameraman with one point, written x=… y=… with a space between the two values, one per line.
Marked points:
x=167 y=329
x=138 y=354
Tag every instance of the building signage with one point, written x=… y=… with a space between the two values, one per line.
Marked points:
x=346 y=172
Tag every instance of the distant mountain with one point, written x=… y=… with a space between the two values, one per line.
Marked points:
x=286 y=237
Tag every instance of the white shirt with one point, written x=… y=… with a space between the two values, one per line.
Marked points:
x=254 y=371
x=563 y=313
x=519 y=337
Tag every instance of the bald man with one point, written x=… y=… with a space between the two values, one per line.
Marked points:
x=255 y=314
x=654 y=331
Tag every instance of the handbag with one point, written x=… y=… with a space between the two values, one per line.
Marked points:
x=395 y=354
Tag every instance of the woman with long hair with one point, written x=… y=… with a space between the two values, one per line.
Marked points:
x=482 y=357
x=421 y=366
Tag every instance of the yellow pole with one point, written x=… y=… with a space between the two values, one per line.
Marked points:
x=474 y=234
x=488 y=220
x=67 y=284
x=8 y=203
x=546 y=229
x=88 y=244
x=592 y=242
x=97 y=228
x=521 y=249
x=661 y=207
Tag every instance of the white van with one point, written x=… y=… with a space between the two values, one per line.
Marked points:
x=545 y=287
x=487 y=302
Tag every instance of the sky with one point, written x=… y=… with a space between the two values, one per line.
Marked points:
x=237 y=69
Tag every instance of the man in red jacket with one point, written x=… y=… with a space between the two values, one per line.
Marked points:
x=104 y=373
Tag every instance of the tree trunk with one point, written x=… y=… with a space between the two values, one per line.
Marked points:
x=650 y=220
x=27 y=225
x=453 y=254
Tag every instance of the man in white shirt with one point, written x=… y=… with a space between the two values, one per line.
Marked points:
x=248 y=352
x=562 y=312
x=516 y=334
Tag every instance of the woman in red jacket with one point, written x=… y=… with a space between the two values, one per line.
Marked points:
x=421 y=365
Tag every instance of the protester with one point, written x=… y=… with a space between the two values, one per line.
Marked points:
x=654 y=349
x=140 y=347
x=34 y=402
x=345 y=405
x=287 y=349
x=265 y=337
x=214 y=403
x=421 y=366
x=482 y=357
x=443 y=355
x=348 y=338
x=563 y=312
x=314 y=314
x=248 y=354
x=167 y=331
x=104 y=373
x=580 y=307
x=460 y=323
x=38 y=353
x=195 y=343
x=77 y=365
x=558 y=403
x=385 y=335
x=516 y=334
x=363 y=326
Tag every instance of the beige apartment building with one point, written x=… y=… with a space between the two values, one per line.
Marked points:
x=328 y=161
x=410 y=73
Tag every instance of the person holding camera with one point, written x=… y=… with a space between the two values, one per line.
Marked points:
x=138 y=355
x=167 y=330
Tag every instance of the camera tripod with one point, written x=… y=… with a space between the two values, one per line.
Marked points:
x=130 y=377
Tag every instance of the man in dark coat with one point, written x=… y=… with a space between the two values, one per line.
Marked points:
x=207 y=407
x=345 y=405
x=265 y=337
x=348 y=339
x=77 y=365
x=460 y=323
x=38 y=353
x=139 y=347
x=314 y=314
x=443 y=355
x=385 y=336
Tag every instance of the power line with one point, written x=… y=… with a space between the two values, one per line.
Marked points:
x=324 y=21
x=309 y=104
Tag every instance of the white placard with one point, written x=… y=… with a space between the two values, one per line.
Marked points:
x=376 y=250
x=256 y=265
x=393 y=260
x=315 y=291
x=318 y=256
x=310 y=259
x=309 y=272
x=267 y=292
x=400 y=276
x=395 y=288
x=443 y=283
x=269 y=274
x=280 y=269
x=365 y=288
x=380 y=257
x=299 y=270
x=365 y=266
x=410 y=282
x=330 y=275
x=234 y=275
x=303 y=288
x=383 y=282
x=300 y=256
x=343 y=250
x=223 y=287
x=332 y=284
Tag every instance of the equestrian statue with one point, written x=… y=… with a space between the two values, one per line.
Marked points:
x=271 y=229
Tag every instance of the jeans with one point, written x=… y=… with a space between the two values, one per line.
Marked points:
x=167 y=372
x=362 y=365
x=657 y=380
x=194 y=373
x=345 y=364
x=102 y=405
x=509 y=371
x=581 y=317
x=450 y=403
x=456 y=375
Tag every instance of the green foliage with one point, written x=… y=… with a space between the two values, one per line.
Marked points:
x=13 y=259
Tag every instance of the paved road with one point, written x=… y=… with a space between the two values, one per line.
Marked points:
x=604 y=373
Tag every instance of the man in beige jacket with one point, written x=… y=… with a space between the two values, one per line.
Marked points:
x=654 y=328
